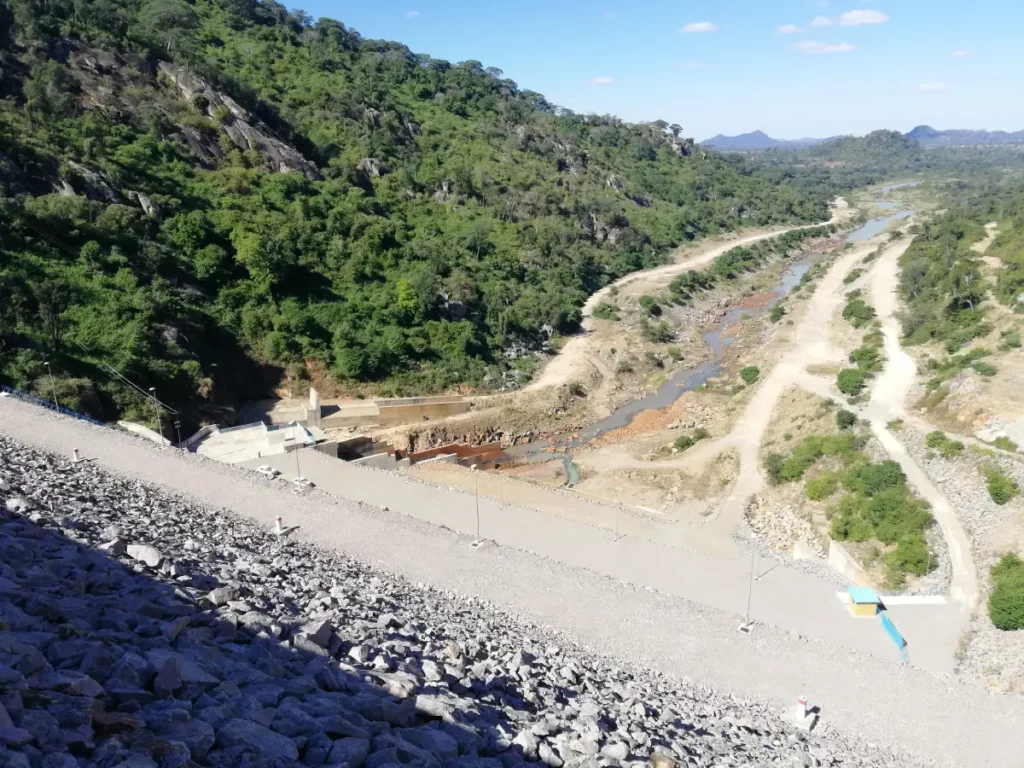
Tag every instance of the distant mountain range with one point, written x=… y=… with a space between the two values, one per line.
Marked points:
x=928 y=136
x=756 y=141
x=931 y=137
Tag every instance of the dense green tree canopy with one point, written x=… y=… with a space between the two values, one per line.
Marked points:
x=225 y=181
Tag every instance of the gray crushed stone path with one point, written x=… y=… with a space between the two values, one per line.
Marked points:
x=883 y=703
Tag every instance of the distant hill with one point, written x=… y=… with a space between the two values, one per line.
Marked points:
x=757 y=141
x=930 y=137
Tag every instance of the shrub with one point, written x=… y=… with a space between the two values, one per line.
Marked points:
x=853 y=275
x=985 y=369
x=750 y=374
x=657 y=334
x=688 y=441
x=1010 y=340
x=606 y=311
x=938 y=440
x=675 y=353
x=868 y=359
x=895 y=425
x=858 y=312
x=822 y=486
x=850 y=381
x=871 y=479
x=576 y=389
x=1006 y=603
x=1001 y=487
x=624 y=367
x=773 y=464
x=777 y=313
x=845 y=419
x=649 y=305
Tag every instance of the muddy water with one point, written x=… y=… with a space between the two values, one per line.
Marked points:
x=689 y=379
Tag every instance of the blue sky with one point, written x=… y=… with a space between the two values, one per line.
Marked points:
x=724 y=66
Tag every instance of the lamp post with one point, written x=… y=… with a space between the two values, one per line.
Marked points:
x=177 y=428
x=156 y=407
x=53 y=387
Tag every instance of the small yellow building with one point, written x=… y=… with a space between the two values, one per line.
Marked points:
x=863 y=602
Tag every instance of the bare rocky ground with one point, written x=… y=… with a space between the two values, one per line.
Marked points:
x=142 y=630
x=995 y=656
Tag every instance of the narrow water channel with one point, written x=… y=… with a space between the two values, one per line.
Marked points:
x=688 y=379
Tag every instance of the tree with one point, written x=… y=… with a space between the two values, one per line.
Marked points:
x=845 y=419
x=750 y=374
x=54 y=298
x=171 y=23
x=850 y=381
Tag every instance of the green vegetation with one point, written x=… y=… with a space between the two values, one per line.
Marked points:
x=1009 y=340
x=857 y=311
x=739 y=261
x=393 y=222
x=877 y=504
x=853 y=275
x=675 y=353
x=822 y=486
x=939 y=441
x=777 y=313
x=1001 y=487
x=894 y=425
x=845 y=419
x=1006 y=603
x=850 y=381
x=788 y=469
x=658 y=333
x=649 y=305
x=881 y=506
x=1005 y=444
x=606 y=311
x=948 y=368
x=750 y=374
x=576 y=389
x=688 y=441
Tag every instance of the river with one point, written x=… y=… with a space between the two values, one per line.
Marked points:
x=688 y=379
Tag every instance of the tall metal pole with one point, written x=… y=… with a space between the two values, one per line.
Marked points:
x=298 y=472
x=53 y=387
x=750 y=586
x=177 y=428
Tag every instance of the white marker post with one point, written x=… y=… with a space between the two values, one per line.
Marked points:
x=278 y=528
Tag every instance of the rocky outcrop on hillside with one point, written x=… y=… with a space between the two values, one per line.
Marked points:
x=243 y=128
x=140 y=630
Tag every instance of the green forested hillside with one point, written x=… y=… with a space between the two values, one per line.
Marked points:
x=224 y=182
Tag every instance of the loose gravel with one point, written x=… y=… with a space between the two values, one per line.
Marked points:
x=868 y=705
x=143 y=630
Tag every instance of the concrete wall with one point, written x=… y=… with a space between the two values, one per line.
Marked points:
x=842 y=562
x=388 y=413
x=141 y=431
x=380 y=461
x=209 y=429
x=391 y=415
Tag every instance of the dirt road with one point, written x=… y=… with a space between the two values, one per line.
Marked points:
x=888 y=402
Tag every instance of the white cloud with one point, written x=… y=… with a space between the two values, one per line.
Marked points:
x=692 y=64
x=960 y=54
x=790 y=29
x=699 y=26
x=603 y=81
x=809 y=46
x=822 y=21
x=932 y=88
x=412 y=14
x=859 y=18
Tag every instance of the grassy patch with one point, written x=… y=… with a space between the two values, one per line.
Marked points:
x=940 y=441
x=858 y=312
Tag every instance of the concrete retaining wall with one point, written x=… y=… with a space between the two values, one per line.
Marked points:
x=380 y=461
x=141 y=431
x=843 y=563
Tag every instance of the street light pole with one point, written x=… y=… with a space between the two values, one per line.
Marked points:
x=156 y=407
x=177 y=428
x=53 y=387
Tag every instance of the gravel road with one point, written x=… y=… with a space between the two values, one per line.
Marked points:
x=881 y=702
